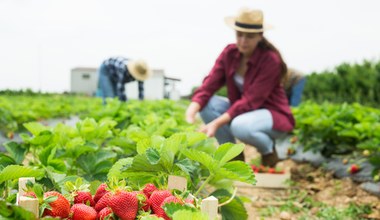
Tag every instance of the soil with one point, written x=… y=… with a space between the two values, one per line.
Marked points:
x=309 y=182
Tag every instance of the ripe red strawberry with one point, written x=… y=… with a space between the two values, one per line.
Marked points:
x=103 y=202
x=271 y=170
x=100 y=192
x=82 y=212
x=125 y=205
x=157 y=198
x=354 y=168
x=58 y=208
x=143 y=200
x=105 y=213
x=85 y=198
x=149 y=189
x=170 y=199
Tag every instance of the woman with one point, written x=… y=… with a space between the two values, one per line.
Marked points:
x=256 y=111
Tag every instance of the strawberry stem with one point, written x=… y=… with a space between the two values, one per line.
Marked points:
x=203 y=185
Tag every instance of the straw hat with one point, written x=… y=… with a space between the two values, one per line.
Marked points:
x=247 y=20
x=139 y=69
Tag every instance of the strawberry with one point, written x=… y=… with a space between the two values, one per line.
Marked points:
x=170 y=199
x=103 y=202
x=143 y=200
x=59 y=207
x=124 y=204
x=100 y=192
x=271 y=170
x=157 y=198
x=84 y=197
x=105 y=213
x=149 y=189
x=82 y=212
x=353 y=169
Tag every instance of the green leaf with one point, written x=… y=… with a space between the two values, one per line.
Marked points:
x=233 y=210
x=35 y=128
x=195 y=137
x=171 y=208
x=10 y=211
x=12 y=172
x=16 y=151
x=227 y=151
x=189 y=215
x=202 y=158
x=186 y=165
x=58 y=165
x=44 y=155
x=238 y=170
x=43 y=138
x=175 y=142
x=143 y=145
x=5 y=161
x=153 y=156
x=115 y=170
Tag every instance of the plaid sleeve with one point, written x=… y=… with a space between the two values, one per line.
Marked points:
x=141 y=90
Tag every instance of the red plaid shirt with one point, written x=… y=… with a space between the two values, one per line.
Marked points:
x=261 y=89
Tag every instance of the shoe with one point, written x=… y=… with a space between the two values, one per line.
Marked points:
x=271 y=159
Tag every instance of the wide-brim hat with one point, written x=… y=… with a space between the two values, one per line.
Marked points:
x=139 y=69
x=248 y=20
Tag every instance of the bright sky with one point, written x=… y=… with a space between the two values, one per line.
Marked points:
x=41 y=40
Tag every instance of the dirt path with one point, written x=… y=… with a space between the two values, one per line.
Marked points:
x=312 y=192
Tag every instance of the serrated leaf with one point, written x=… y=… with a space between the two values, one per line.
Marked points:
x=16 y=151
x=175 y=142
x=115 y=170
x=227 y=151
x=43 y=138
x=195 y=137
x=171 y=208
x=5 y=161
x=186 y=165
x=153 y=156
x=242 y=171
x=57 y=165
x=35 y=128
x=202 y=158
x=12 y=172
x=143 y=145
x=189 y=215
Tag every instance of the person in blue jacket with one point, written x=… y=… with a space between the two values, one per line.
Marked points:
x=115 y=72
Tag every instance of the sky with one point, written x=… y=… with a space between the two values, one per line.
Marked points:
x=42 y=40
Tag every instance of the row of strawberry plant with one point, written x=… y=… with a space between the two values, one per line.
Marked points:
x=138 y=153
x=334 y=129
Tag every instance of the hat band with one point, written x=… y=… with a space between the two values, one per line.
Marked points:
x=249 y=26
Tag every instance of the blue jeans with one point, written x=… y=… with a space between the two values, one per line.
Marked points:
x=105 y=86
x=295 y=97
x=253 y=128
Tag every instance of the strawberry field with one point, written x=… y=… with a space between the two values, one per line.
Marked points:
x=115 y=161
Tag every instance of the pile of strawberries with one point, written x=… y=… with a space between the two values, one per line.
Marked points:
x=107 y=203
x=264 y=169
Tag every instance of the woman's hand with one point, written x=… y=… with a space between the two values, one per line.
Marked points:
x=209 y=129
x=191 y=111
